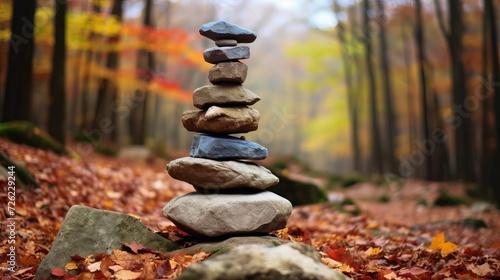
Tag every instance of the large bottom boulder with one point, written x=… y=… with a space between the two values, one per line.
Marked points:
x=217 y=247
x=258 y=262
x=214 y=215
x=87 y=231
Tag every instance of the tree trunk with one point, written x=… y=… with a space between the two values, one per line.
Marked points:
x=376 y=154
x=461 y=118
x=358 y=82
x=495 y=70
x=410 y=98
x=350 y=91
x=145 y=66
x=390 y=119
x=57 y=106
x=18 y=88
x=463 y=148
x=85 y=123
x=422 y=65
x=108 y=90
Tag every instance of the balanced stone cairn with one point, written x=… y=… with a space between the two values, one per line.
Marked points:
x=231 y=196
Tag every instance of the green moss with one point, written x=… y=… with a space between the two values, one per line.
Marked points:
x=27 y=133
x=298 y=193
x=384 y=199
x=445 y=199
x=106 y=150
x=24 y=178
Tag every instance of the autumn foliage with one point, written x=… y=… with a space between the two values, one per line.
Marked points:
x=363 y=247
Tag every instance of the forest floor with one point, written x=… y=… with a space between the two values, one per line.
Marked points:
x=396 y=239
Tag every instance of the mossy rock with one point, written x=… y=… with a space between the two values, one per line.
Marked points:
x=23 y=177
x=298 y=193
x=446 y=199
x=27 y=133
x=220 y=246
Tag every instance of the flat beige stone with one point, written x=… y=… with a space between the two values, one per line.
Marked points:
x=228 y=72
x=217 y=175
x=222 y=120
x=223 y=95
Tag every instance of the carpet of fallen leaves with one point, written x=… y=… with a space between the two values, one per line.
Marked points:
x=384 y=242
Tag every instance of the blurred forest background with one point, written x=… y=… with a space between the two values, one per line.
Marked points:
x=398 y=88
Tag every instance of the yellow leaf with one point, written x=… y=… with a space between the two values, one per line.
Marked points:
x=346 y=268
x=372 y=225
x=372 y=251
x=390 y=276
x=448 y=248
x=71 y=266
x=437 y=242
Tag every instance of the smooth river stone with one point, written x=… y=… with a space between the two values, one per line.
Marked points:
x=215 y=215
x=218 y=30
x=215 y=175
x=223 y=94
x=227 y=120
x=220 y=54
x=226 y=43
x=228 y=72
x=225 y=148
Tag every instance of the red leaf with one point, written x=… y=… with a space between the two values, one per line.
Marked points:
x=183 y=233
x=336 y=254
x=414 y=271
x=473 y=252
x=57 y=272
x=134 y=247
x=77 y=258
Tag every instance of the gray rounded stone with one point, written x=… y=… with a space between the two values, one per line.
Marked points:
x=218 y=30
x=224 y=94
x=215 y=215
x=221 y=120
x=228 y=72
x=220 y=54
x=254 y=261
x=214 y=174
x=86 y=231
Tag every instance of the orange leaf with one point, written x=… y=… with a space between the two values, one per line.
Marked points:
x=127 y=274
x=134 y=247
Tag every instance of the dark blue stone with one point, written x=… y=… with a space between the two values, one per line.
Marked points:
x=225 y=148
x=218 y=30
x=220 y=54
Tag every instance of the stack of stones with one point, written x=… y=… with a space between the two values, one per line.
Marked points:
x=231 y=196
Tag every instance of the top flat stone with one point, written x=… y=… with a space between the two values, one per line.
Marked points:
x=219 y=30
